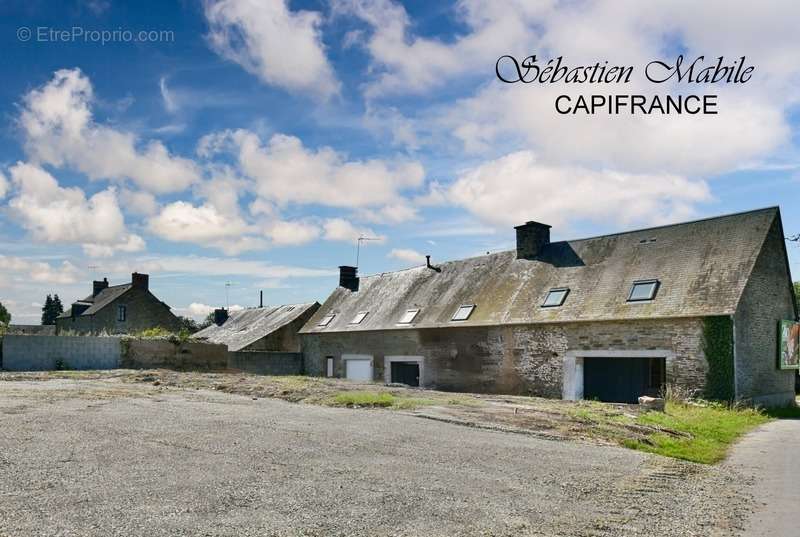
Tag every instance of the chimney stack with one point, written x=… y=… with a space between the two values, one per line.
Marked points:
x=98 y=286
x=140 y=281
x=348 y=278
x=532 y=237
x=220 y=316
x=261 y=299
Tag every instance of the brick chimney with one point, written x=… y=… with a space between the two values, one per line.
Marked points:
x=220 y=316
x=98 y=286
x=348 y=278
x=140 y=281
x=531 y=238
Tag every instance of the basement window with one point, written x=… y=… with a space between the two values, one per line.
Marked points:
x=643 y=290
x=555 y=297
x=325 y=321
x=359 y=317
x=463 y=312
x=408 y=317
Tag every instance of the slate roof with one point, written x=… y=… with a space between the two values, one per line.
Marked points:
x=247 y=326
x=103 y=298
x=702 y=266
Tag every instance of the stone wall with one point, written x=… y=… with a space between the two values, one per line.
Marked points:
x=189 y=355
x=284 y=339
x=42 y=353
x=767 y=299
x=266 y=362
x=524 y=359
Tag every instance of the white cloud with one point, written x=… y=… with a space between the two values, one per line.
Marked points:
x=291 y=233
x=55 y=214
x=284 y=171
x=27 y=270
x=204 y=225
x=281 y=47
x=170 y=104
x=222 y=266
x=407 y=255
x=139 y=202
x=339 y=229
x=3 y=185
x=517 y=188
x=58 y=127
x=199 y=311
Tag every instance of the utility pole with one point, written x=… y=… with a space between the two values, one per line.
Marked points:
x=358 y=246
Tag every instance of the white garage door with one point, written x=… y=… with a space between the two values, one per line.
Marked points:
x=358 y=368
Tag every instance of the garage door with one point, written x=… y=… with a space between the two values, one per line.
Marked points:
x=358 y=368
x=622 y=380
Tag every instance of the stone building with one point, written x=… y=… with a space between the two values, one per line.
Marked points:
x=270 y=328
x=693 y=305
x=118 y=309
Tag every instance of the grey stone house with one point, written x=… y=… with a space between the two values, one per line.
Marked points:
x=270 y=328
x=118 y=309
x=693 y=305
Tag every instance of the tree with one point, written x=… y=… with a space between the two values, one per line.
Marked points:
x=208 y=321
x=52 y=308
x=190 y=325
x=5 y=317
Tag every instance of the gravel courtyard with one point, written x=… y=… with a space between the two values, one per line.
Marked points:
x=99 y=458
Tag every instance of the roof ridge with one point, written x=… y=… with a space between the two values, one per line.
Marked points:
x=639 y=230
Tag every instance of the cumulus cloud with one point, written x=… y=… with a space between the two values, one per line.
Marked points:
x=281 y=47
x=204 y=225
x=285 y=171
x=517 y=187
x=339 y=229
x=59 y=130
x=21 y=269
x=200 y=311
x=291 y=233
x=407 y=255
x=55 y=214
x=3 y=185
x=139 y=202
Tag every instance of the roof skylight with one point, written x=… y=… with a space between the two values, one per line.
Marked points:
x=325 y=321
x=555 y=297
x=359 y=317
x=643 y=290
x=463 y=312
x=408 y=316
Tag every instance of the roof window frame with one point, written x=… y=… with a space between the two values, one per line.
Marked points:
x=458 y=309
x=653 y=294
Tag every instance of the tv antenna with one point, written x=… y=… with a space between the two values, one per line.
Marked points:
x=93 y=268
x=228 y=285
x=358 y=245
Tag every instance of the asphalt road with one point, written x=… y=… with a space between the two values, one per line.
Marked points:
x=100 y=459
x=771 y=457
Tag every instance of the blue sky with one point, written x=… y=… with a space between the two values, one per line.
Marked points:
x=254 y=141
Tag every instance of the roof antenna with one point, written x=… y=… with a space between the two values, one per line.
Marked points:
x=358 y=245
x=228 y=285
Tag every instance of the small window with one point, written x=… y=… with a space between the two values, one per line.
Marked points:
x=555 y=297
x=463 y=312
x=122 y=313
x=359 y=317
x=329 y=366
x=643 y=290
x=325 y=321
x=408 y=317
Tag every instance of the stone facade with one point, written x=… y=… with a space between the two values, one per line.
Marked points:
x=523 y=359
x=142 y=311
x=284 y=339
x=767 y=299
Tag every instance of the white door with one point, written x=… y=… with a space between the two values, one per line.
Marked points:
x=358 y=367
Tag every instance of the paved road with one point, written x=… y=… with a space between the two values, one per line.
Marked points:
x=104 y=459
x=771 y=457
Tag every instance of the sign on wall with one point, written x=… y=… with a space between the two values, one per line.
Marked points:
x=788 y=345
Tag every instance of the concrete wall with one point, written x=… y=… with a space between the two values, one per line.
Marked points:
x=40 y=353
x=767 y=299
x=156 y=353
x=267 y=363
x=527 y=359
x=143 y=311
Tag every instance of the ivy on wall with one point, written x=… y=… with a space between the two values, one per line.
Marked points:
x=718 y=348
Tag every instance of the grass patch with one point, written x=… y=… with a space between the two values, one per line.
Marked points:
x=696 y=433
x=379 y=400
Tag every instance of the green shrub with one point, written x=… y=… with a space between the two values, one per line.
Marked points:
x=718 y=348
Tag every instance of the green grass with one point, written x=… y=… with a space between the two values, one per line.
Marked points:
x=709 y=430
x=382 y=400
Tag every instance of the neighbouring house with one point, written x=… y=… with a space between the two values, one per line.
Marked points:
x=118 y=309
x=693 y=306
x=270 y=328
x=31 y=330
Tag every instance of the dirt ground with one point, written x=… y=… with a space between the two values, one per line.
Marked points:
x=113 y=457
